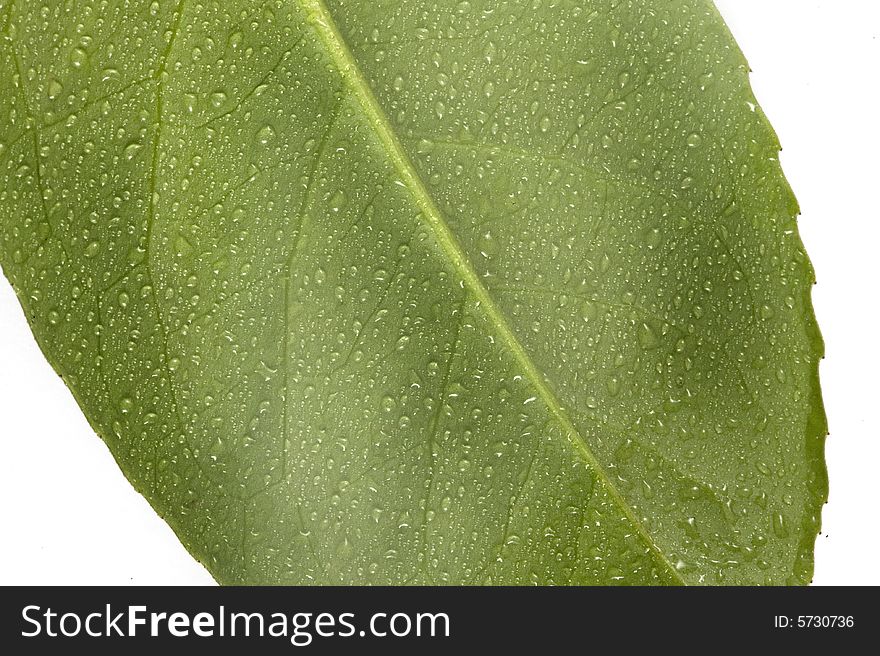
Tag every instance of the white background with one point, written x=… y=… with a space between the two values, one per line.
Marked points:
x=69 y=516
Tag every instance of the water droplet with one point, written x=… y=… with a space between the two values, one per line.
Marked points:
x=589 y=311
x=182 y=245
x=647 y=338
x=78 y=57
x=490 y=51
x=131 y=150
x=125 y=405
x=337 y=200
x=488 y=245
x=694 y=140
x=218 y=98
x=780 y=529
x=613 y=386
x=265 y=134
x=92 y=249
x=54 y=88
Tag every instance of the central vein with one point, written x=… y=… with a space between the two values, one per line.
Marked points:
x=323 y=23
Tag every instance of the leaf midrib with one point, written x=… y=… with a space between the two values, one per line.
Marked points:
x=322 y=21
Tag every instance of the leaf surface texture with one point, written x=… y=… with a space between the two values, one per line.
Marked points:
x=413 y=292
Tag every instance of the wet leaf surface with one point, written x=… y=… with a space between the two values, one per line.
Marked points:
x=422 y=292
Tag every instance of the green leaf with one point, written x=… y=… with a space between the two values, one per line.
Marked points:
x=417 y=292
